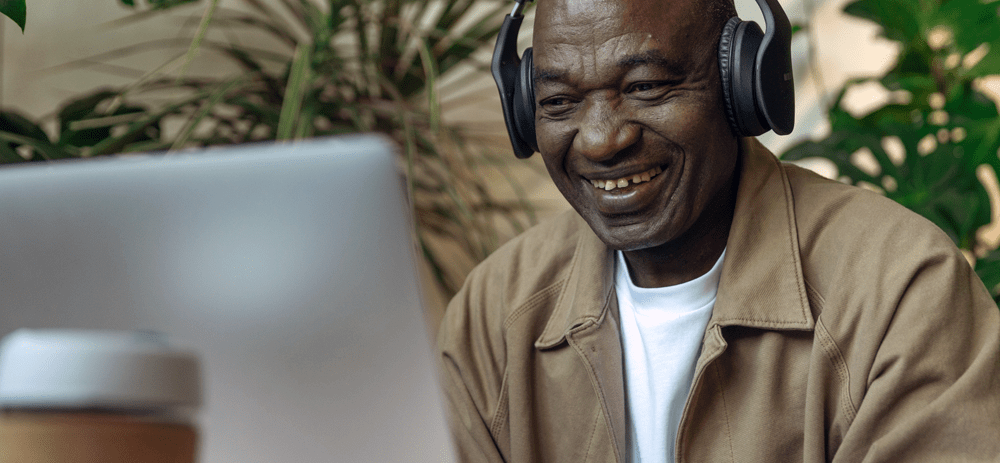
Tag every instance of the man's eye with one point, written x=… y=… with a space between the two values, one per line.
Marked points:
x=555 y=102
x=644 y=86
x=556 y=106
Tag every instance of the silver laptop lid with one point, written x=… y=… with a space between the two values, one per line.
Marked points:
x=288 y=267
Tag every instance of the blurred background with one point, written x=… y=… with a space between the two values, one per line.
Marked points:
x=898 y=96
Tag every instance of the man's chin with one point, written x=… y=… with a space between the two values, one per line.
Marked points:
x=629 y=236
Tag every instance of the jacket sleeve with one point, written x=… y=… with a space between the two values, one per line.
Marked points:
x=471 y=371
x=932 y=392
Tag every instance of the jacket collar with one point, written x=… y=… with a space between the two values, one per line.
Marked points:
x=588 y=293
x=761 y=286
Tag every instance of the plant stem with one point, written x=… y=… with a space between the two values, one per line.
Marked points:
x=1 y=63
x=206 y=19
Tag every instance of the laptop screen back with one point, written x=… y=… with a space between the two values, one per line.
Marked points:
x=288 y=267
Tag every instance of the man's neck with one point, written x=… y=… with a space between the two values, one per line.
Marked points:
x=693 y=253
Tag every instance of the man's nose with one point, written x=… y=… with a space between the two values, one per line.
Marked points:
x=604 y=132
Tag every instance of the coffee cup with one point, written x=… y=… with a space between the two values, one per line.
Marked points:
x=87 y=396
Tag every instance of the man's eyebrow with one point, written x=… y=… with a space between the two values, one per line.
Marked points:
x=654 y=58
x=651 y=57
x=548 y=75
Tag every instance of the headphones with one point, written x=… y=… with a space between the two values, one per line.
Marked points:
x=755 y=69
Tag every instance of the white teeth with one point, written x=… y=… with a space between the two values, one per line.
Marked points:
x=623 y=182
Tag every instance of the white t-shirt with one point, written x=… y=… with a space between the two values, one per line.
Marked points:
x=662 y=330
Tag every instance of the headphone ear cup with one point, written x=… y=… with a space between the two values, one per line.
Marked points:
x=746 y=42
x=506 y=70
x=524 y=101
x=726 y=69
x=774 y=84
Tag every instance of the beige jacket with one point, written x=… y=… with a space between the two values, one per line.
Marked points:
x=846 y=329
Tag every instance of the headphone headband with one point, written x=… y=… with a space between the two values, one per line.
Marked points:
x=518 y=7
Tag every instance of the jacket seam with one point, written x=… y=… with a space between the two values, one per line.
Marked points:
x=500 y=412
x=725 y=412
x=758 y=320
x=593 y=431
x=793 y=234
x=836 y=357
x=594 y=380
x=562 y=294
x=817 y=298
x=531 y=302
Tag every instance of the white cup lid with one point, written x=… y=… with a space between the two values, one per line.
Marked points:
x=129 y=370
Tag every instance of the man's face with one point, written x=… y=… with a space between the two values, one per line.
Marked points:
x=628 y=92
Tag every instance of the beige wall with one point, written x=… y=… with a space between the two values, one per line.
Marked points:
x=52 y=60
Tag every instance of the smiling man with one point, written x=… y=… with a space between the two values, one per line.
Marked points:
x=705 y=302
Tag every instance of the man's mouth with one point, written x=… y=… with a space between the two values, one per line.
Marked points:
x=623 y=182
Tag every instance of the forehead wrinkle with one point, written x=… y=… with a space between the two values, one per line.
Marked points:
x=574 y=63
x=652 y=58
x=576 y=39
x=569 y=63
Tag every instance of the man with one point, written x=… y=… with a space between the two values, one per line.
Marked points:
x=705 y=302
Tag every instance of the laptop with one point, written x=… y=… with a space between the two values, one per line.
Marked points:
x=289 y=267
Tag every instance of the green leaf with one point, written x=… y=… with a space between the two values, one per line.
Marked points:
x=901 y=20
x=76 y=128
x=430 y=70
x=8 y=155
x=988 y=269
x=990 y=64
x=958 y=204
x=16 y=124
x=158 y=4
x=913 y=68
x=207 y=106
x=972 y=22
x=167 y=4
x=298 y=78
x=206 y=19
x=15 y=10
x=47 y=150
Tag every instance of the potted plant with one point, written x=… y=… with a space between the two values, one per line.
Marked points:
x=924 y=146
x=337 y=67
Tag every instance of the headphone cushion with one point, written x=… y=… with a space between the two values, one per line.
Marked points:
x=726 y=69
x=524 y=100
x=746 y=42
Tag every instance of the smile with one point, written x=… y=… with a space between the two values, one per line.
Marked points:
x=623 y=182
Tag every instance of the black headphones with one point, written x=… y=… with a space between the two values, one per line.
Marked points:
x=755 y=69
